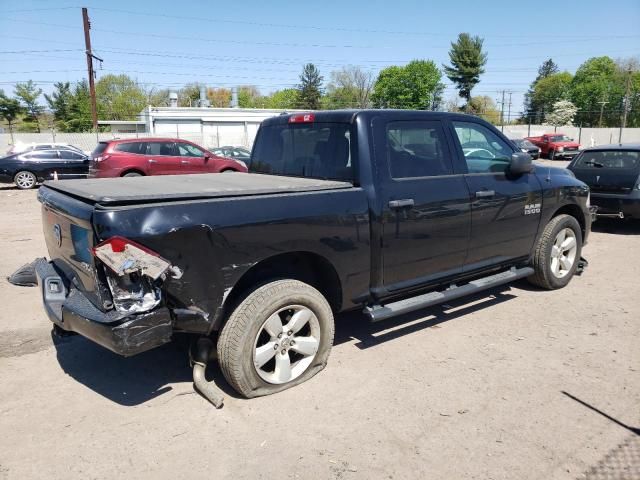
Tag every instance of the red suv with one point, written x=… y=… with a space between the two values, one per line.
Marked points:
x=156 y=156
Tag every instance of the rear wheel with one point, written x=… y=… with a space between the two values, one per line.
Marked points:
x=132 y=174
x=557 y=253
x=279 y=336
x=25 y=180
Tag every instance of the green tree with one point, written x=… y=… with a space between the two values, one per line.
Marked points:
x=467 y=63
x=249 y=97
x=189 y=95
x=484 y=107
x=119 y=97
x=28 y=94
x=10 y=108
x=414 y=86
x=598 y=80
x=59 y=102
x=310 y=88
x=287 y=98
x=533 y=111
x=158 y=97
x=350 y=87
x=79 y=109
x=549 y=90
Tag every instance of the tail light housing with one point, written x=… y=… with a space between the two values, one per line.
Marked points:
x=101 y=158
x=134 y=274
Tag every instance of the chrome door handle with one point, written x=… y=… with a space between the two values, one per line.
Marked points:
x=404 y=203
x=184 y=161
x=485 y=193
x=151 y=160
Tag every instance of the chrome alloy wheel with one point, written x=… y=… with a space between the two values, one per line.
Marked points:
x=286 y=344
x=563 y=252
x=25 y=180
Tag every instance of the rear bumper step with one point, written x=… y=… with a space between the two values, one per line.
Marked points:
x=382 y=312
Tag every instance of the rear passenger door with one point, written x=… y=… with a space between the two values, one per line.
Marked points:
x=76 y=165
x=425 y=203
x=163 y=159
x=505 y=209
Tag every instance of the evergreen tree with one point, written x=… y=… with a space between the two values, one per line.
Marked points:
x=28 y=94
x=10 y=108
x=534 y=111
x=467 y=63
x=310 y=88
x=59 y=102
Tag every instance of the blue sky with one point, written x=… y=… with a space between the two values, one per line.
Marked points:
x=265 y=43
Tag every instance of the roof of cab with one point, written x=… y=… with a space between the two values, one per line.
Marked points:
x=616 y=146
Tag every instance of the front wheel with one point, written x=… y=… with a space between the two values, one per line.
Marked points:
x=279 y=336
x=557 y=253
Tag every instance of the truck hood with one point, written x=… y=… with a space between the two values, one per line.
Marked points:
x=565 y=144
x=120 y=191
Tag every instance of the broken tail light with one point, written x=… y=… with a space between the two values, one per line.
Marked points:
x=133 y=273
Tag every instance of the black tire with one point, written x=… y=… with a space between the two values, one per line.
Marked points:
x=25 y=180
x=543 y=276
x=132 y=174
x=552 y=155
x=246 y=323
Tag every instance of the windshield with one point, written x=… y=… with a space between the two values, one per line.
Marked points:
x=315 y=150
x=560 y=138
x=618 y=159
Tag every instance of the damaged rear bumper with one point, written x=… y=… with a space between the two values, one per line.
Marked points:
x=124 y=334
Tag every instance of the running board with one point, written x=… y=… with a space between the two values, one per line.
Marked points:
x=382 y=312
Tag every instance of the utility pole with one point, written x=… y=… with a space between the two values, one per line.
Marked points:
x=90 y=71
x=625 y=105
x=502 y=112
x=602 y=104
x=509 y=108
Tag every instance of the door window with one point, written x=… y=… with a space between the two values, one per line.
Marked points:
x=43 y=155
x=161 y=148
x=417 y=149
x=483 y=150
x=188 y=150
x=69 y=155
x=138 y=148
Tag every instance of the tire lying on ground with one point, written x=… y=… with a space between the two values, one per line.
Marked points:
x=557 y=253
x=278 y=336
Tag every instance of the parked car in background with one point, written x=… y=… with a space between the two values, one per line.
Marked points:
x=156 y=156
x=20 y=147
x=28 y=168
x=237 y=153
x=526 y=146
x=613 y=174
x=556 y=145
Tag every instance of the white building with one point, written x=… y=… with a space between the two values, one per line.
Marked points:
x=209 y=127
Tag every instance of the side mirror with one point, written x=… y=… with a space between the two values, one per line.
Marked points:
x=520 y=164
x=207 y=157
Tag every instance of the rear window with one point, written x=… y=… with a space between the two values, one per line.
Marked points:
x=132 y=147
x=615 y=159
x=315 y=150
x=101 y=147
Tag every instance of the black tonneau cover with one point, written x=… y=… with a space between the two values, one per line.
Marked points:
x=187 y=187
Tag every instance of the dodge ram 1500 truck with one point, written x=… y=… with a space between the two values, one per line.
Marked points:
x=380 y=210
x=556 y=145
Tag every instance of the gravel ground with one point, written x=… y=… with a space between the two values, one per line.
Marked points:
x=517 y=383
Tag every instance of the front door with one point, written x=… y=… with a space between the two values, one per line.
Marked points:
x=76 y=164
x=192 y=159
x=505 y=209
x=425 y=212
x=162 y=158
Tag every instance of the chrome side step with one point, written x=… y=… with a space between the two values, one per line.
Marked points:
x=382 y=312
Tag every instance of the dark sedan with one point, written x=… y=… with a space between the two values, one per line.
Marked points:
x=26 y=169
x=613 y=174
x=526 y=146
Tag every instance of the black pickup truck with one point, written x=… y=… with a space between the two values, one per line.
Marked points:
x=382 y=210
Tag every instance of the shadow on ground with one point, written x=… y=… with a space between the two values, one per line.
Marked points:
x=617 y=226
x=136 y=380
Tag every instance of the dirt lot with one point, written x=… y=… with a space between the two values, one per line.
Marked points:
x=519 y=383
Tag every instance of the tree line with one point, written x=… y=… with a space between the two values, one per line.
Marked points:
x=593 y=96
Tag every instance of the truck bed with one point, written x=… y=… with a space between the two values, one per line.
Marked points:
x=112 y=191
